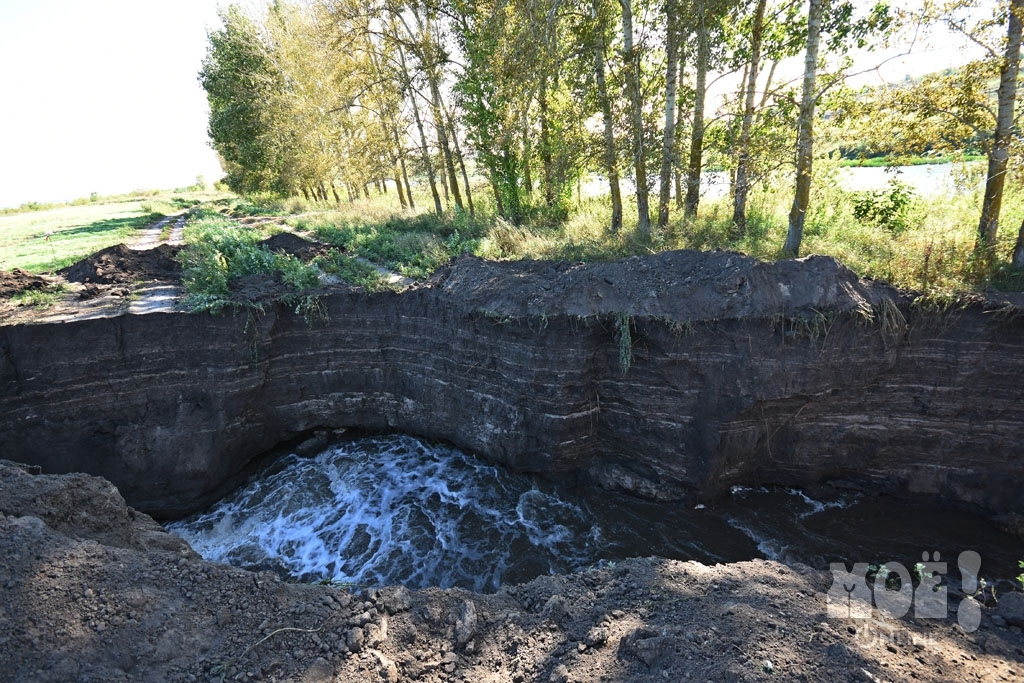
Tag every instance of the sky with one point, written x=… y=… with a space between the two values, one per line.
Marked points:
x=102 y=96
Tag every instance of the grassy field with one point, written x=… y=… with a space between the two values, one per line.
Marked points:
x=915 y=242
x=47 y=240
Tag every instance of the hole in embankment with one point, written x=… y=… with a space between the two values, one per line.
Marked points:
x=398 y=510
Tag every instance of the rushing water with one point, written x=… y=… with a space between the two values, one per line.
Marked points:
x=394 y=509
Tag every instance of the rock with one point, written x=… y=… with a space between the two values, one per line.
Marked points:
x=354 y=639
x=320 y=671
x=396 y=599
x=560 y=674
x=556 y=609
x=646 y=645
x=465 y=624
x=596 y=637
x=1011 y=608
x=376 y=634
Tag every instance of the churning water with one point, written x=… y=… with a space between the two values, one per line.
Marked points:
x=394 y=509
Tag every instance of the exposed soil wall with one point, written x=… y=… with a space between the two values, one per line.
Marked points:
x=673 y=376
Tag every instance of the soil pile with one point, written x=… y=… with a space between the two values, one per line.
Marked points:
x=17 y=280
x=96 y=591
x=123 y=266
x=681 y=285
x=290 y=243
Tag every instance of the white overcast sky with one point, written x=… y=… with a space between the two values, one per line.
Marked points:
x=102 y=95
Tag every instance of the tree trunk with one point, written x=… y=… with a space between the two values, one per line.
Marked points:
x=611 y=166
x=999 y=154
x=401 y=190
x=739 y=205
x=805 y=134
x=695 y=163
x=426 y=154
x=425 y=151
x=668 y=148
x=546 y=161
x=462 y=161
x=401 y=164
x=631 y=60
x=443 y=171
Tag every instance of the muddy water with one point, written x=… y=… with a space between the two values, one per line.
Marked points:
x=395 y=509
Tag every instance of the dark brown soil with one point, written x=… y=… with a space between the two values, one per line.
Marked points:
x=94 y=591
x=290 y=243
x=121 y=265
x=17 y=280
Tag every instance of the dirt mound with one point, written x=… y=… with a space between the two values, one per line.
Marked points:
x=17 y=280
x=121 y=265
x=678 y=285
x=290 y=243
x=95 y=591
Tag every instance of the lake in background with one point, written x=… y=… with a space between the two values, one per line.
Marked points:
x=927 y=180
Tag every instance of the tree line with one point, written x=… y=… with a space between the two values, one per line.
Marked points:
x=332 y=98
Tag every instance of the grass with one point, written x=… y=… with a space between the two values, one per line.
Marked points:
x=39 y=298
x=885 y=162
x=920 y=243
x=46 y=240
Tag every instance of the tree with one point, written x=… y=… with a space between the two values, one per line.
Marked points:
x=805 y=133
x=668 y=150
x=742 y=184
x=631 y=68
x=843 y=31
x=609 y=152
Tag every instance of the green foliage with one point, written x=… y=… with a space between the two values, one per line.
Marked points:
x=889 y=208
x=352 y=270
x=219 y=250
x=40 y=298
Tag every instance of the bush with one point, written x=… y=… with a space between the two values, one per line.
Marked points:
x=219 y=251
x=885 y=208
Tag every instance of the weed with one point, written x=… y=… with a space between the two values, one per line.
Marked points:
x=351 y=270
x=40 y=298
x=218 y=251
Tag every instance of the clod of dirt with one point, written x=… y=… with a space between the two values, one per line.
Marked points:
x=17 y=280
x=121 y=265
x=290 y=243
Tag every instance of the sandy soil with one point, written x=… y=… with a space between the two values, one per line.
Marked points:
x=94 y=591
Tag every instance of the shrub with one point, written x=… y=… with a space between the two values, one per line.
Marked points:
x=888 y=208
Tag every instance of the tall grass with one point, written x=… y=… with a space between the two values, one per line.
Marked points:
x=921 y=243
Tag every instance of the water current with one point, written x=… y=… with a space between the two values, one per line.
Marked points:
x=394 y=509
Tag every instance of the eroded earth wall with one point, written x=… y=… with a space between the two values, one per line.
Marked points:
x=673 y=376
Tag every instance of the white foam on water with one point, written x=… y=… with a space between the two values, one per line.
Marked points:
x=395 y=510
x=817 y=506
x=770 y=548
